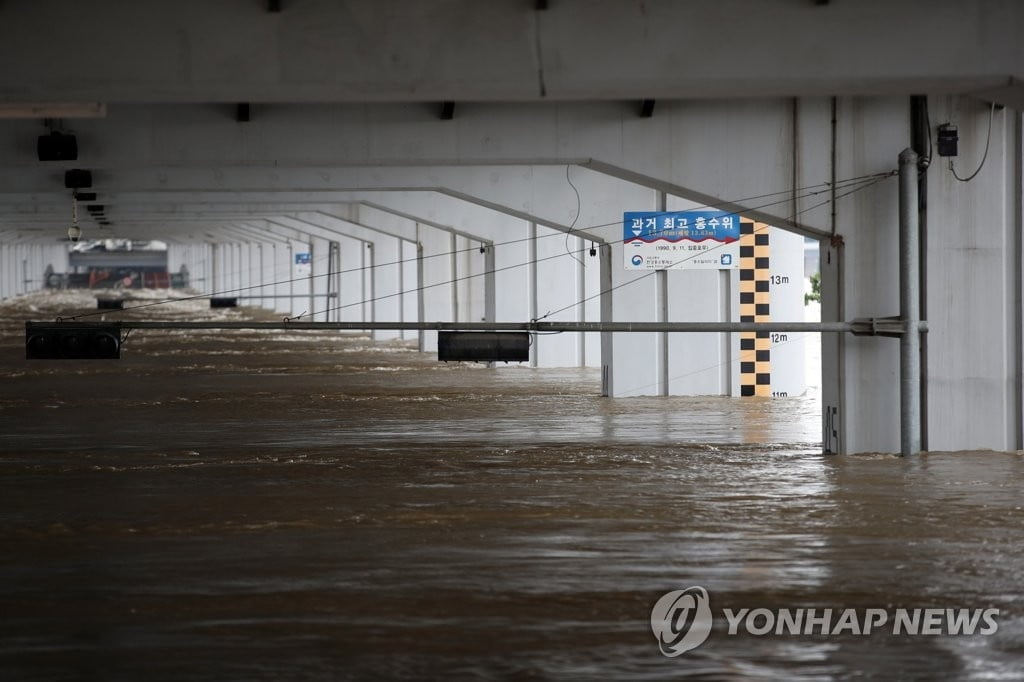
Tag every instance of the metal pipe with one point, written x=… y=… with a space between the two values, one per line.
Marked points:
x=910 y=310
x=920 y=134
x=304 y=296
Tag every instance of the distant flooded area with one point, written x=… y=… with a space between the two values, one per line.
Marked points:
x=266 y=505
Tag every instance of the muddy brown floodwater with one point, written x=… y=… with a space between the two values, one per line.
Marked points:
x=314 y=506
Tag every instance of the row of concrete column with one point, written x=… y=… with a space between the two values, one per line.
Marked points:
x=357 y=269
x=23 y=265
x=436 y=276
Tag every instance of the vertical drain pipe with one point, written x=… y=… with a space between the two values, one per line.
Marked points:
x=910 y=308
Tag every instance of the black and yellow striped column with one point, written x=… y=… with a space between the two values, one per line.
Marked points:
x=755 y=347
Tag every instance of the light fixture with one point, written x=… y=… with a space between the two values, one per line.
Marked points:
x=72 y=341
x=74 y=232
x=57 y=146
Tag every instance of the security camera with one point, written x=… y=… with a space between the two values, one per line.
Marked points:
x=74 y=232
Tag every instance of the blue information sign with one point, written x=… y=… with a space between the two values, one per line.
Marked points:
x=681 y=240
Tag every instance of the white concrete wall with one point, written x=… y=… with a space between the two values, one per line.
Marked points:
x=437 y=279
x=699 y=363
x=349 y=304
x=789 y=365
x=634 y=369
x=556 y=272
x=974 y=287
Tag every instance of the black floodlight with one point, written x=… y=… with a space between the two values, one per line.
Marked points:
x=57 y=147
x=72 y=341
x=77 y=179
x=110 y=304
x=483 y=346
x=224 y=302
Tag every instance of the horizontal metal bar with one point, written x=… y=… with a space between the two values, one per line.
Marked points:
x=860 y=326
x=330 y=295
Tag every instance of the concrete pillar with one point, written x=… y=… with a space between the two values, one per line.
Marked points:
x=386 y=276
x=661 y=365
x=420 y=296
x=369 y=292
x=606 y=253
x=282 y=277
x=410 y=308
x=532 y=289
x=4 y=288
x=454 y=246
x=213 y=281
x=352 y=279
x=581 y=294
x=437 y=274
x=261 y=265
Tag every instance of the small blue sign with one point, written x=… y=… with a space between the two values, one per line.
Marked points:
x=302 y=259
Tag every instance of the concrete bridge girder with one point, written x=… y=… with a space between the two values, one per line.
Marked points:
x=477 y=52
x=692 y=149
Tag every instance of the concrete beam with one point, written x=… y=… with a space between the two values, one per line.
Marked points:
x=469 y=51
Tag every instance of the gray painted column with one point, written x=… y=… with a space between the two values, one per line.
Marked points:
x=211 y=282
x=333 y=280
x=910 y=307
x=4 y=251
x=312 y=279
x=725 y=284
x=605 y=254
x=581 y=293
x=420 y=303
x=369 y=305
x=489 y=283
x=454 y=266
x=239 y=267
x=532 y=277
x=262 y=267
x=661 y=312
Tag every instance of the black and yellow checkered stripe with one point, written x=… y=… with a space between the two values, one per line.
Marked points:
x=755 y=347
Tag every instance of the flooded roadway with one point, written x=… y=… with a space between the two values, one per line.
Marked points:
x=249 y=505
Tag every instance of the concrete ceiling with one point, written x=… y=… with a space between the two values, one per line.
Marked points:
x=345 y=97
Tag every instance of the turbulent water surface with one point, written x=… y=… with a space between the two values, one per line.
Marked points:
x=268 y=505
